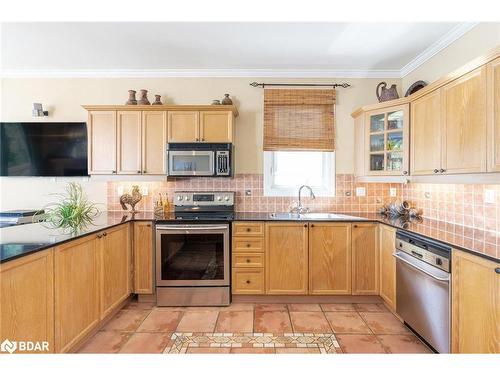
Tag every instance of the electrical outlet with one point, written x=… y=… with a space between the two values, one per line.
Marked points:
x=145 y=191
x=427 y=194
x=489 y=196
x=248 y=192
x=360 y=192
x=392 y=192
x=120 y=189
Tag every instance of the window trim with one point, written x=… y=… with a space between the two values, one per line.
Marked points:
x=327 y=190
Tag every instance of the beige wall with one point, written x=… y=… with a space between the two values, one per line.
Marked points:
x=478 y=41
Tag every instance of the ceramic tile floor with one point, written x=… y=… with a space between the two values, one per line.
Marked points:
x=255 y=328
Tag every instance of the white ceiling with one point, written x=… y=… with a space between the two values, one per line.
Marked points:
x=222 y=49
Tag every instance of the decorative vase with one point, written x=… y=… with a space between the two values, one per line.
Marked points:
x=384 y=94
x=227 y=100
x=143 y=97
x=216 y=102
x=157 y=100
x=131 y=98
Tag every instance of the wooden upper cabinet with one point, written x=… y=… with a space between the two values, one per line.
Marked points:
x=143 y=257
x=330 y=258
x=27 y=299
x=464 y=123
x=493 y=105
x=475 y=304
x=115 y=267
x=183 y=126
x=101 y=142
x=129 y=142
x=365 y=259
x=286 y=258
x=388 y=265
x=154 y=142
x=425 y=143
x=216 y=127
x=76 y=274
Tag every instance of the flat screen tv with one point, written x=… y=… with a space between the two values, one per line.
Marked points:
x=43 y=149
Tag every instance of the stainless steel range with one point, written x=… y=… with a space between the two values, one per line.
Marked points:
x=192 y=252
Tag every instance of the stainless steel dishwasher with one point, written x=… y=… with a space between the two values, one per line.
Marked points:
x=423 y=288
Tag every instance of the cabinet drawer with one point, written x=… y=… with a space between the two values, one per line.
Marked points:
x=248 y=229
x=248 y=281
x=248 y=260
x=248 y=245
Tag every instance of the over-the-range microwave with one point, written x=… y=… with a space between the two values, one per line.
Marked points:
x=200 y=159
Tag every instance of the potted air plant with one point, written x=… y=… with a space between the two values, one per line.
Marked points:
x=73 y=211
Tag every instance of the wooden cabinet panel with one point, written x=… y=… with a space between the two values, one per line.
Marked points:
x=248 y=281
x=76 y=276
x=154 y=142
x=388 y=265
x=143 y=257
x=359 y=146
x=365 y=259
x=464 y=124
x=330 y=258
x=115 y=267
x=183 y=126
x=475 y=304
x=248 y=244
x=425 y=143
x=216 y=127
x=493 y=113
x=286 y=258
x=27 y=299
x=101 y=129
x=248 y=228
x=248 y=260
x=129 y=142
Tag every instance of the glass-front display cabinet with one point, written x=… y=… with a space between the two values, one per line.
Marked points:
x=386 y=141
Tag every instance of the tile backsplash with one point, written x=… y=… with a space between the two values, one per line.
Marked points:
x=461 y=204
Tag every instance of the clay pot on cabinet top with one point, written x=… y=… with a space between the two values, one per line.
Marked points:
x=143 y=97
x=157 y=100
x=131 y=98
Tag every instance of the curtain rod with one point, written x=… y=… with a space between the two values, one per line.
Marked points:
x=332 y=85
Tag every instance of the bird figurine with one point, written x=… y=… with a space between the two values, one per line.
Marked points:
x=131 y=199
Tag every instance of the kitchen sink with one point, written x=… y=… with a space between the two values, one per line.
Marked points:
x=310 y=216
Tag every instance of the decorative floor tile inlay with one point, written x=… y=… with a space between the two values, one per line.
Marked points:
x=326 y=343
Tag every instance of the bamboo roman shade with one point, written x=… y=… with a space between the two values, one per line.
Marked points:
x=299 y=119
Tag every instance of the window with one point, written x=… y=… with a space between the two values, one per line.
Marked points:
x=286 y=171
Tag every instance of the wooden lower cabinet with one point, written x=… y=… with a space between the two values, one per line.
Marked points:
x=286 y=258
x=475 y=304
x=143 y=257
x=330 y=258
x=388 y=265
x=365 y=259
x=76 y=274
x=115 y=267
x=248 y=281
x=27 y=299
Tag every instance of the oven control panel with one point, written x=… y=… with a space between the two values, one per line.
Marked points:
x=205 y=198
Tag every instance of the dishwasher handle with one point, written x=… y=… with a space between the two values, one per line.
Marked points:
x=398 y=257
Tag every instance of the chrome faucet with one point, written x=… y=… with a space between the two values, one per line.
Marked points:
x=300 y=209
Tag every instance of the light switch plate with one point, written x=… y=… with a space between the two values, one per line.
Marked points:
x=360 y=192
x=392 y=192
x=489 y=196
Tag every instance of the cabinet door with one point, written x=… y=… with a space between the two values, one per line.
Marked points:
x=365 y=259
x=388 y=265
x=143 y=257
x=286 y=258
x=183 y=126
x=330 y=258
x=425 y=144
x=475 y=304
x=494 y=116
x=115 y=267
x=464 y=124
x=216 y=127
x=101 y=129
x=154 y=142
x=129 y=142
x=27 y=299
x=76 y=292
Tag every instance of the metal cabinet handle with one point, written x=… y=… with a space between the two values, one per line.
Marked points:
x=248 y=245
x=436 y=170
x=99 y=235
x=248 y=260
x=144 y=171
x=104 y=234
x=305 y=225
x=113 y=171
x=203 y=139
x=442 y=170
x=197 y=139
x=312 y=225
x=138 y=171
x=497 y=270
x=248 y=229
x=405 y=172
x=248 y=281
x=355 y=225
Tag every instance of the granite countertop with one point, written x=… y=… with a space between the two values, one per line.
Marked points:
x=20 y=240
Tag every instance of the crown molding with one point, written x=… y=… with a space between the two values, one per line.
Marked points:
x=456 y=33
x=220 y=73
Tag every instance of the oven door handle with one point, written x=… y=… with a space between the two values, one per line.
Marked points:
x=192 y=227
x=398 y=257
